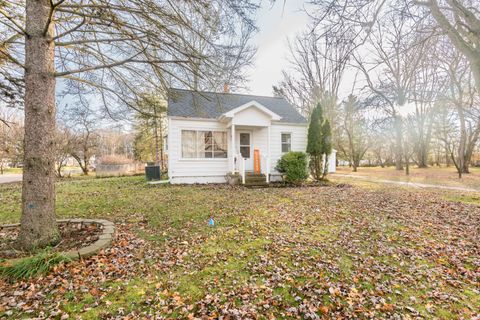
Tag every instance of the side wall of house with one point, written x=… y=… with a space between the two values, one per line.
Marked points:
x=193 y=170
x=299 y=142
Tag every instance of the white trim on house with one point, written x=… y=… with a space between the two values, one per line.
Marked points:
x=230 y=114
x=290 y=123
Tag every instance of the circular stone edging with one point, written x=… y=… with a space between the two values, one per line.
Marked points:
x=104 y=239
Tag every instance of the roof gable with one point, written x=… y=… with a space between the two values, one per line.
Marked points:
x=254 y=104
x=195 y=104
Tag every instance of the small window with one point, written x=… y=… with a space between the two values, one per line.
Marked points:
x=286 y=142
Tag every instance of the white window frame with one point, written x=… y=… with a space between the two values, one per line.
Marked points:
x=196 y=151
x=282 y=143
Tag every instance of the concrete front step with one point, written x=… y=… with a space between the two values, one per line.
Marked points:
x=255 y=179
x=251 y=174
x=256 y=185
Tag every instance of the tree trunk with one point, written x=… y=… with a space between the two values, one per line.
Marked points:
x=398 y=142
x=38 y=225
x=86 y=162
x=422 y=155
x=155 y=133
x=407 y=161
x=447 y=157
x=462 y=143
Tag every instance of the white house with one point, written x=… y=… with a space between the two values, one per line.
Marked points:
x=214 y=135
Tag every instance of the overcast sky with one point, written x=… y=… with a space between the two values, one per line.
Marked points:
x=275 y=24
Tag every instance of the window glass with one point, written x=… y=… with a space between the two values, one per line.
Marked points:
x=204 y=144
x=245 y=145
x=244 y=139
x=220 y=144
x=286 y=142
x=189 y=149
x=245 y=152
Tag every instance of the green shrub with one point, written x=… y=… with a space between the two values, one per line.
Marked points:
x=294 y=166
x=32 y=266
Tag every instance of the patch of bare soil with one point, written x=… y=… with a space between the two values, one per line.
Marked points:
x=73 y=236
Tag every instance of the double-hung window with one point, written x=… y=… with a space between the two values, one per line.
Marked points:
x=286 y=142
x=204 y=144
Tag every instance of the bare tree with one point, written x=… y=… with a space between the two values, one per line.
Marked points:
x=11 y=137
x=111 y=46
x=458 y=19
x=63 y=148
x=443 y=130
x=317 y=65
x=82 y=121
x=383 y=142
x=464 y=99
x=354 y=132
x=390 y=75
x=428 y=83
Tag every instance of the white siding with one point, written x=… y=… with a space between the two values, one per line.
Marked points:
x=251 y=117
x=299 y=140
x=332 y=162
x=214 y=170
x=193 y=170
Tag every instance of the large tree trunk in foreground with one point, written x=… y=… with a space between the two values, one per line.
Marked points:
x=38 y=226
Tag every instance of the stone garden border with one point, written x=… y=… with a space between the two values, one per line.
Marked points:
x=104 y=239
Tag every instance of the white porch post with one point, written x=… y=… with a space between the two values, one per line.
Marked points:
x=268 y=155
x=233 y=148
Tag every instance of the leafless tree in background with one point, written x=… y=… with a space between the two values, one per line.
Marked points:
x=463 y=98
x=63 y=148
x=428 y=84
x=354 y=132
x=397 y=52
x=317 y=64
x=443 y=130
x=457 y=19
x=11 y=138
x=82 y=123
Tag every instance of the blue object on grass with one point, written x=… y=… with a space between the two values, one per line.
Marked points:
x=211 y=222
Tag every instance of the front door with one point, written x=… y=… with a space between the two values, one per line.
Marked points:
x=244 y=143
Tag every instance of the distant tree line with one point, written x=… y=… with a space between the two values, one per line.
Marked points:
x=409 y=74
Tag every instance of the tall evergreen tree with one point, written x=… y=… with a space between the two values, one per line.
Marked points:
x=314 y=143
x=319 y=142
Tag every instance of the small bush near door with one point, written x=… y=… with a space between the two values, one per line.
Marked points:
x=293 y=165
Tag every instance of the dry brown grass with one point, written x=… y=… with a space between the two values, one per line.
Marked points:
x=432 y=175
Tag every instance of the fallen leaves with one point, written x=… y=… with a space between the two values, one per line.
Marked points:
x=305 y=253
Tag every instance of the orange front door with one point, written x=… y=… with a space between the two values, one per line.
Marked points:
x=256 y=161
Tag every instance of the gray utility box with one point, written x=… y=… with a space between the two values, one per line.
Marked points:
x=152 y=172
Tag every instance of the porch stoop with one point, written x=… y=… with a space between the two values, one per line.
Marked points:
x=255 y=180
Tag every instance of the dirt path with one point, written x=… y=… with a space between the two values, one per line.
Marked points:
x=406 y=183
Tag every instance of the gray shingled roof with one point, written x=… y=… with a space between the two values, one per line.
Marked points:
x=194 y=104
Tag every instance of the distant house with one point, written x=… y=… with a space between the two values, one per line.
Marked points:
x=213 y=136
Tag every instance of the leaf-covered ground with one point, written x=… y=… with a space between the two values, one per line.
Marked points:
x=315 y=252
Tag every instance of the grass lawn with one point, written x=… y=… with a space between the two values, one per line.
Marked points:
x=12 y=170
x=432 y=175
x=336 y=251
